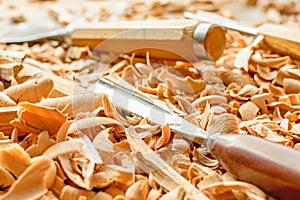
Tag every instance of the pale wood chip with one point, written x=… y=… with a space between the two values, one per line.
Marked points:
x=104 y=177
x=225 y=123
x=283 y=74
x=260 y=101
x=187 y=84
x=181 y=146
x=291 y=86
x=212 y=99
x=208 y=180
x=43 y=143
x=223 y=187
x=138 y=190
x=154 y=194
x=266 y=73
x=36 y=118
x=275 y=63
x=185 y=105
x=240 y=79
x=70 y=192
x=102 y=195
x=248 y=90
x=243 y=56
x=10 y=63
x=196 y=169
x=275 y=91
x=176 y=194
x=39 y=176
x=248 y=111
x=277 y=115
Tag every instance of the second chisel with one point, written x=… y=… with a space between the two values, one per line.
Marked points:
x=282 y=39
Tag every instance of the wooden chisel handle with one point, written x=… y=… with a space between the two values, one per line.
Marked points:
x=282 y=39
x=166 y=39
x=273 y=167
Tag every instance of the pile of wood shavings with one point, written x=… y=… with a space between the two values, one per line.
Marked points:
x=90 y=155
x=102 y=152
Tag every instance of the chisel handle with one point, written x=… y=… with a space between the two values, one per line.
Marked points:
x=282 y=39
x=272 y=167
x=180 y=39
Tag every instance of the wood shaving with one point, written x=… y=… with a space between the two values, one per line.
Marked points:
x=68 y=143
x=31 y=91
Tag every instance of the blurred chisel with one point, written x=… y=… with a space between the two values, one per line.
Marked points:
x=282 y=39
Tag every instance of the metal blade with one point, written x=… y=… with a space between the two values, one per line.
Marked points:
x=131 y=101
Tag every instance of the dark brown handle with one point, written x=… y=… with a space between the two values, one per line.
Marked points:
x=272 y=167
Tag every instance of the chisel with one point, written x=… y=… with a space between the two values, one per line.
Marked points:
x=272 y=167
x=282 y=39
x=174 y=39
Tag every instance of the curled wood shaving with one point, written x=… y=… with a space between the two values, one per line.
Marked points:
x=110 y=111
x=43 y=143
x=10 y=63
x=6 y=100
x=260 y=101
x=165 y=137
x=154 y=194
x=240 y=79
x=40 y=175
x=187 y=84
x=221 y=188
x=266 y=73
x=31 y=91
x=275 y=63
x=6 y=178
x=63 y=148
x=225 y=123
x=69 y=192
x=102 y=195
x=199 y=156
x=150 y=162
x=243 y=56
x=212 y=99
x=177 y=194
x=35 y=119
x=91 y=126
x=74 y=104
x=14 y=159
x=138 y=190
